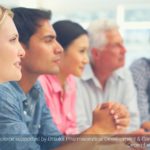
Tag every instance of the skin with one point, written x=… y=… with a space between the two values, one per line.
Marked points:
x=74 y=59
x=114 y=51
x=42 y=55
x=11 y=51
x=72 y=62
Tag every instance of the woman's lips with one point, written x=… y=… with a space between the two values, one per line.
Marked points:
x=18 y=65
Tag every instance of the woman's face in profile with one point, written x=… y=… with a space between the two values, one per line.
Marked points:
x=75 y=57
x=10 y=51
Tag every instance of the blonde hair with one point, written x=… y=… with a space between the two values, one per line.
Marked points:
x=4 y=12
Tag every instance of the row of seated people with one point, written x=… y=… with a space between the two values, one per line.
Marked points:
x=102 y=101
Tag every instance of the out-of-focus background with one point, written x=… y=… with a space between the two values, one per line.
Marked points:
x=133 y=17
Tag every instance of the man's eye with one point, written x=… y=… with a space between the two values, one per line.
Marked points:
x=83 y=50
x=47 y=40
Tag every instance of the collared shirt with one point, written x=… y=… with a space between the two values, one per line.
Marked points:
x=141 y=74
x=119 y=88
x=61 y=102
x=26 y=119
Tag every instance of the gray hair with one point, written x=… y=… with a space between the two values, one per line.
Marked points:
x=97 y=33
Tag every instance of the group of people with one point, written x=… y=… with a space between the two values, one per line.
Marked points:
x=61 y=79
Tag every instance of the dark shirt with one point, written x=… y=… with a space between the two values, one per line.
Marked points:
x=25 y=121
x=141 y=74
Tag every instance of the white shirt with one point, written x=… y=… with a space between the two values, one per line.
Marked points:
x=119 y=88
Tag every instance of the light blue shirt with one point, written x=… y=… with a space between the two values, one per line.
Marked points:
x=119 y=88
x=25 y=121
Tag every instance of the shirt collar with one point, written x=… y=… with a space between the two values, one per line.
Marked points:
x=34 y=90
x=55 y=83
x=119 y=74
x=88 y=74
x=69 y=85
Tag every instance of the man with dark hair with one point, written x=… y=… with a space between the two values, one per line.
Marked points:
x=25 y=121
x=27 y=21
x=23 y=112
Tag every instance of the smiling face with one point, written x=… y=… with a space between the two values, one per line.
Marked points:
x=10 y=51
x=75 y=56
x=43 y=51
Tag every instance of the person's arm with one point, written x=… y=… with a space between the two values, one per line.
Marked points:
x=109 y=118
x=46 y=82
x=119 y=113
x=130 y=100
x=103 y=124
x=84 y=109
x=49 y=130
x=140 y=75
x=12 y=125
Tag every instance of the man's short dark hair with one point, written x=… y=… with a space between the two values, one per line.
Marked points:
x=27 y=21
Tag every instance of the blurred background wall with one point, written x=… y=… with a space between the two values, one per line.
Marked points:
x=133 y=17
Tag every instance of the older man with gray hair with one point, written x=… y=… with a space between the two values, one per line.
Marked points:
x=105 y=78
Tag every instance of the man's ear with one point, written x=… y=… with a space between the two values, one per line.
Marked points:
x=95 y=53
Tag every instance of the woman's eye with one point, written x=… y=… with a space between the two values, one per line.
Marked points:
x=13 y=39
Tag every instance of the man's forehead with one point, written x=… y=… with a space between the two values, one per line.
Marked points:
x=45 y=28
x=113 y=36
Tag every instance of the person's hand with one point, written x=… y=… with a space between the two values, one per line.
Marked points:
x=119 y=113
x=146 y=126
x=103 y=122
x=141 y=133
x=138 y=139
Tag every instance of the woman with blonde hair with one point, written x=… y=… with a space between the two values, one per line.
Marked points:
x=10 y=48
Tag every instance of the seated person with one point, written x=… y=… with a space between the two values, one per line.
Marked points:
x=141 y=74
x=105 y=78
x=24 y=117
x=60 y=89
x=10 y=49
